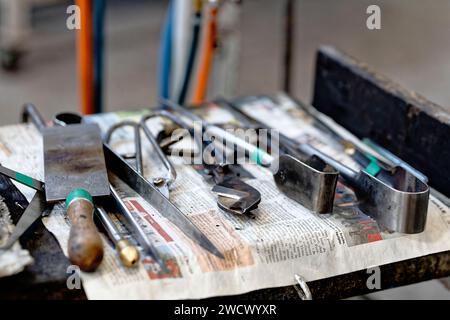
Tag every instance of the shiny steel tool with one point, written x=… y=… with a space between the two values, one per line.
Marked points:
x=22 y=178
x=397 y=162
x=234 y=195
x=74 y=171
x=312 y=182
x=38 y=205
x=64 y=119
x=152 y=195
x=128 y=253
x=161 y=182
x=400 y=204
x=342 y=135
x=118 y=166
x=136 y=229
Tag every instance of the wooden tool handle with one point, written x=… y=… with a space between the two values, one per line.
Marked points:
x=85 y=244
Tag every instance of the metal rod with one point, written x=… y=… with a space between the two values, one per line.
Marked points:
x=136 y=228
x=128 y=253
x=30 y=113
x=289 y=27
x=345 y=171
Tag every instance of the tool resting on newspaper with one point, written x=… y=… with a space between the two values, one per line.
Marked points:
x=75 y=171
x=234 y=195
x=399 y=201
x=310 y=182
x=118 y=168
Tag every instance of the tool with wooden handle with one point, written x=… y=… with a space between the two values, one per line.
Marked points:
x=75 y=171
x=85 y=245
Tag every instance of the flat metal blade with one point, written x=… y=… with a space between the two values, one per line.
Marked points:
x=153 y=196
x=73 y=158
x=33 y=211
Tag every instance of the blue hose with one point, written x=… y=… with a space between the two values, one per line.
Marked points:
x=166 y=55
x=191 y=57
x=99 y=22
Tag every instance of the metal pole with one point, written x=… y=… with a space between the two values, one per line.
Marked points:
x=289 y=27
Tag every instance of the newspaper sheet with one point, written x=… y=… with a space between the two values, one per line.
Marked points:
x=281 y=240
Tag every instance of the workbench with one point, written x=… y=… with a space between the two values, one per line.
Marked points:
x=361 y=100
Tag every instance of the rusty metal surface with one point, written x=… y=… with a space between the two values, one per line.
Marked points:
x=73 y=158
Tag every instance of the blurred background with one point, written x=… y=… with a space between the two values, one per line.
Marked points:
x=412 y=48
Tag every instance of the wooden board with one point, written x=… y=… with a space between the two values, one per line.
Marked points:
x=370 y=105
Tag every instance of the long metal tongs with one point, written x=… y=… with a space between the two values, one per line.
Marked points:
x=234 y=195
x=152 y=192
x=163 y=183
x=399 y=202
x=311 y=182
x=119 y=168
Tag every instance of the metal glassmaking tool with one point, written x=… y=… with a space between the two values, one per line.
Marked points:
x=400 y=205
x=375 y=160
x=118 y=167
x=37 y=206
x=399 y=202
x=234 y=195
x=162 y=183
x=75 y=171
x=126 y=252
x=311 y=182
x=152 y=195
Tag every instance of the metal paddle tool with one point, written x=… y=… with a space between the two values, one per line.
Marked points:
x=128 y=253
x=119 y=168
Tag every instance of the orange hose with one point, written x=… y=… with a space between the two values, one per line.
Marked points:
x=207 y=58
x=85 y=57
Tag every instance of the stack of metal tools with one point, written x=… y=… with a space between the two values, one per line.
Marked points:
x=78 y=166
x=81 y=167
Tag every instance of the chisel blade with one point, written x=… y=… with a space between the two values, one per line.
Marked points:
x=153 y=196
x=73 y=159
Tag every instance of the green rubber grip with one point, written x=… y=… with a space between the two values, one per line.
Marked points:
x=78 y=194
x=373 y=168
x=257 y=156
